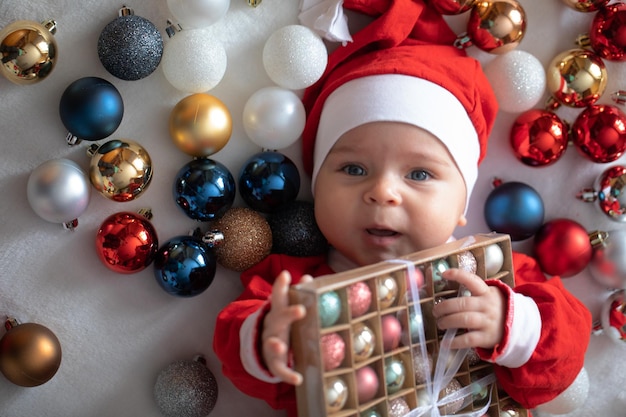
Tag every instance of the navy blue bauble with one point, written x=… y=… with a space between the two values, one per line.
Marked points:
x=184 y=266
x=204 y=189
x=91 y=108
x=516 y=209
x=268 y=180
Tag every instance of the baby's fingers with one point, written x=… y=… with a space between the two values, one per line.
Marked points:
x=276 y=361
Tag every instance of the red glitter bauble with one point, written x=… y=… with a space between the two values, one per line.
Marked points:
x=608 y=32
x=562 y=247
x=599 y=133
x=126 y=242
x=538 y=137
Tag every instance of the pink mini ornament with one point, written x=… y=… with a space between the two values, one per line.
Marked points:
x=333 y=350
x=367 y=384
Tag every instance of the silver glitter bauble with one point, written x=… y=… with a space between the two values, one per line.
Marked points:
x=186 y=388
x=130 y=47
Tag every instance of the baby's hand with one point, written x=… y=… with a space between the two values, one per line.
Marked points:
x=277 y=327
x=481 y=314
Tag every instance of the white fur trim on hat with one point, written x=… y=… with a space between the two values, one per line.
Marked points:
x=400 y=98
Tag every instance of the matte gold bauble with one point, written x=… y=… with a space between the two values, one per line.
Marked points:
x=28 y=51
x=120 y=169
x=576 y=78
x=200 y=125
x=30 y=354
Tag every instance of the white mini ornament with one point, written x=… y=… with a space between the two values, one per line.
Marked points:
x=294 y=57
x=193 y=60
x=518 y=80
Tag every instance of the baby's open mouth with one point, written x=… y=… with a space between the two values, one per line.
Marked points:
x=382 y=232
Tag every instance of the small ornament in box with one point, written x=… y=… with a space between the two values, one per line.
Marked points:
x=369 y=345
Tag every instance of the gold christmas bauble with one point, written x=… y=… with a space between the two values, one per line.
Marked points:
x=120 y=169
x=576 y=78
x=28 y=50
x=497 y=26
x=200 y=125
x=30 y=354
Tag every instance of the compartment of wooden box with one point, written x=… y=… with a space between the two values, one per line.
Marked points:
x=331 y=387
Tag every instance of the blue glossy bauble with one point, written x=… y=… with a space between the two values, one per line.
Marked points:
x=514 y=208
x=204 y=189
x=184 y=266
x=91 y=108
x=268 y=180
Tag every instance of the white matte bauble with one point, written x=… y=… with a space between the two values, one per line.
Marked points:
x=294 y=57
x=518 y=80
x=198 y=13
x=193 y=61
x=58 y=191
x=571 y=399
x=274 y=117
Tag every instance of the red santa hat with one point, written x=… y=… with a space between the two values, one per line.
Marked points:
x=401 y=67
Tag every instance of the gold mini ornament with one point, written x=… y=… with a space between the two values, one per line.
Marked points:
x=28 y=50
x=30 y=354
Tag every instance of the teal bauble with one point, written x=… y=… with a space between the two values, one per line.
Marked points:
x=395 y=374
x=329 y=307
x=369 y=413
x=439 y=266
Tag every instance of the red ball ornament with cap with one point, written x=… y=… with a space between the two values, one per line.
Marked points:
x=562 y=247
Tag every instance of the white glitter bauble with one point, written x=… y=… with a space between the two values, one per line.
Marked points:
x=193 y=61
x=572 y=398
x=197 y=13
x=518 y=80
x=294 y=57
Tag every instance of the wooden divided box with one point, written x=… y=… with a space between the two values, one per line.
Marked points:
x=358 y=349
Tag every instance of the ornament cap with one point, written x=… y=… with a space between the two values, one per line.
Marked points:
x=213 y=238
x=145 y=212
x=583 y=40
x=588 y=195
x=72 y=139
x=598 y=238
x=92 y=150
x=71 y=225
x=619 y=97
x=171 y=28
x=10 y=323
x=126 y=11
x=254 y=3
x=51 y=25
x=463 y=41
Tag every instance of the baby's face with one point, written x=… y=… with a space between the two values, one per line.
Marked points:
x=388 y=189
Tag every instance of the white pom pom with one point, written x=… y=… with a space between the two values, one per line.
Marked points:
x=518 y=80
x=294 y=57
x=570 y=399
x=193 y=61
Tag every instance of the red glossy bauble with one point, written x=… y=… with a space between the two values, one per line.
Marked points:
x=538 y=137
x=608 y=32
x=126 y=242
x=562 y=247
x=599 y=133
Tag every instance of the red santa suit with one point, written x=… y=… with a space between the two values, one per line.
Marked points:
x=535 y=362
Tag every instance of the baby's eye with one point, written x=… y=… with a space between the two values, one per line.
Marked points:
x=419 y=175
x=352 y=169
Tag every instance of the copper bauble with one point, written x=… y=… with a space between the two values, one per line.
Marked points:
x=599 y=133
x=247 y=239
x=126 y=242
x=497 y=26
x=120 y=169
x=576 y=77
x=29 y=51
x=585 y=6
x=30 y=354
x=538 y=137
x=200 y=125
x=608 y=32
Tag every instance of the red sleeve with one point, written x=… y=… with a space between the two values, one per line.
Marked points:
x=257 y=283
x=565 y=332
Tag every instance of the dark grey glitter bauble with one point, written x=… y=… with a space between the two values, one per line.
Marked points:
x=186 y=388
x=130 y=47
x=295 y=232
